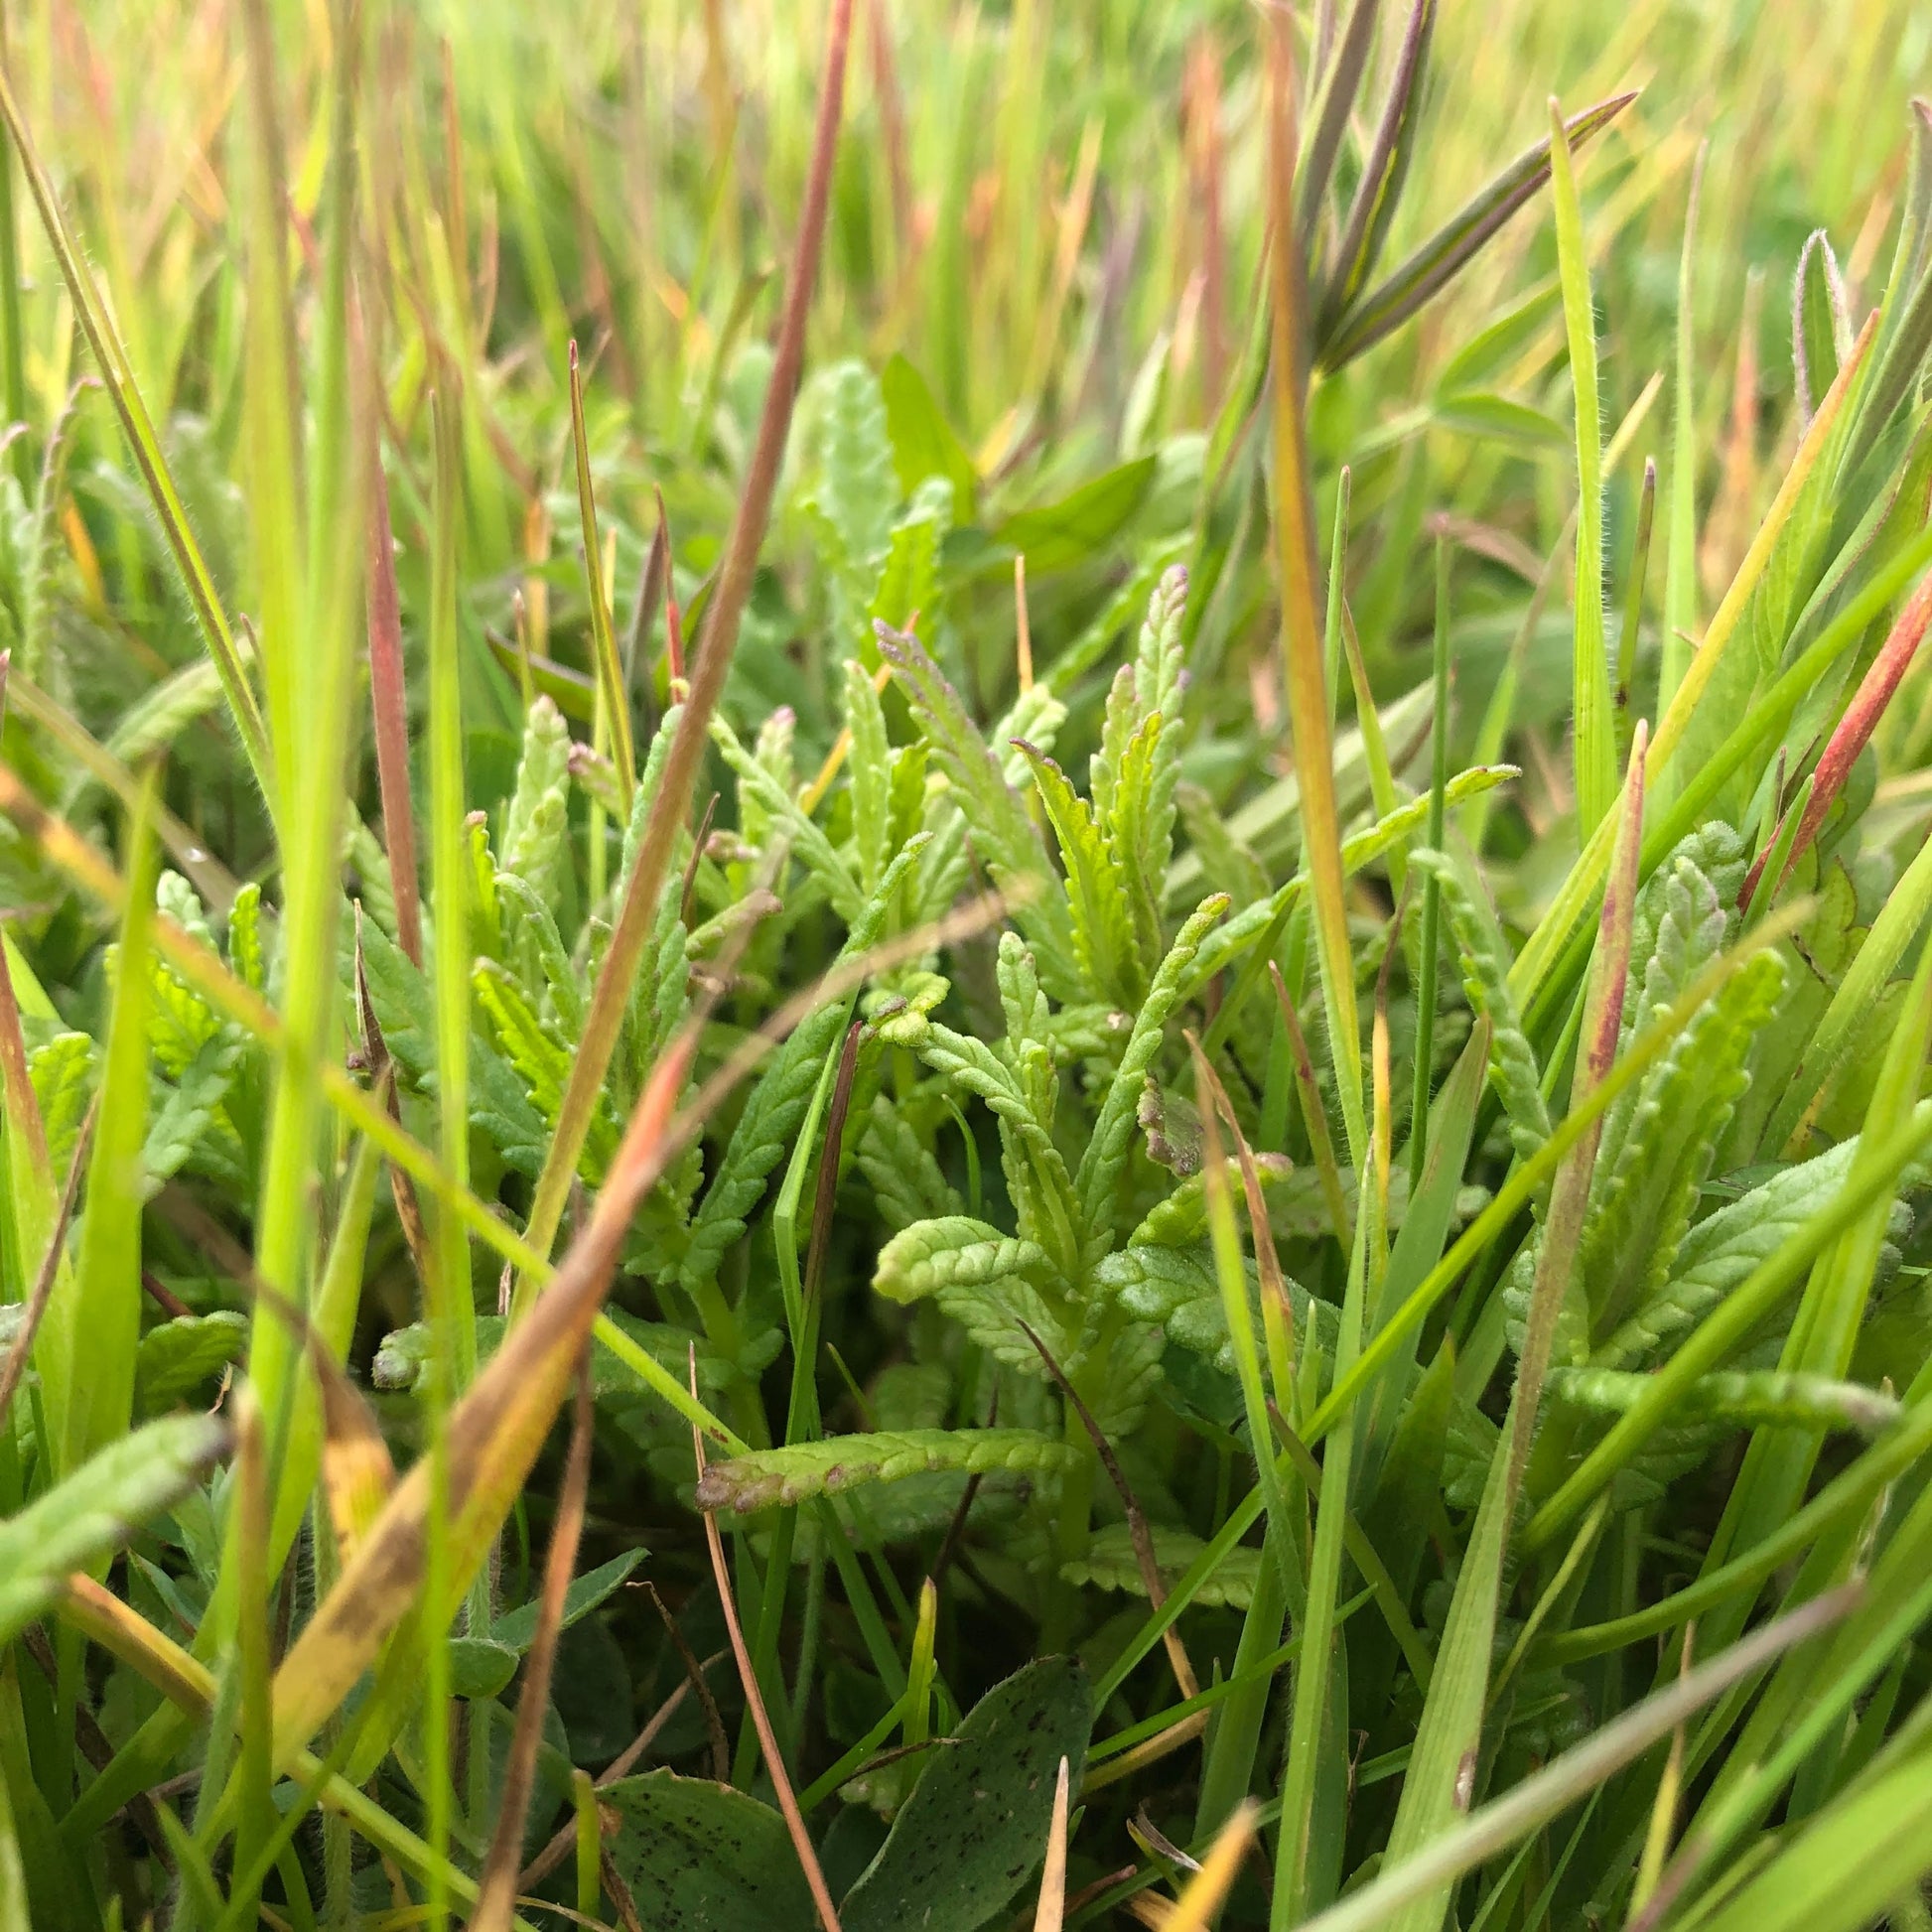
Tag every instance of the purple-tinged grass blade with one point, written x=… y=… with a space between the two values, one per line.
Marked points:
x=1443 y=256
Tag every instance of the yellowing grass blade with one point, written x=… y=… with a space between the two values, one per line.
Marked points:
x=1302 y=641
x=494 y=1434
x=1207 y=1891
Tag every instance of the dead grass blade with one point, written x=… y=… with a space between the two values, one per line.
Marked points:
x=1050 y=1914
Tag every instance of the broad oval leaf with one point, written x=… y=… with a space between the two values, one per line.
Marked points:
x=696 y=1853
x=976 y=1822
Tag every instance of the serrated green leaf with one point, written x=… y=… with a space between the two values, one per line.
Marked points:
x=177 y=1358
x=535 y=950
x=1721 y=1252
x=1741 y=1398
x=871 y=768
x=187 y=1126
x=779 y=1102
x=402 y=1361
x=534 y=826
x=1037 y=1177
x=247 y=953
x=61 y=1070
x=958 y=1251
x=996 y=821
x=1105 y=1154
x=1486 y=978
x=748 y=1483
x=1644 y=1193
x=1096 y=889
x=541 y=1059
x=807 y=839
x=857 y=492
x=1110 y=1564
x=81 y=1520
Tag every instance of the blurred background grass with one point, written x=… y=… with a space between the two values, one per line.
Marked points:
x=1053 y=212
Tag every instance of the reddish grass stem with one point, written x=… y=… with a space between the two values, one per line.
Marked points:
x=716 y=642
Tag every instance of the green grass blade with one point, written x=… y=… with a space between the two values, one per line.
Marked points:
x=1432 y=895
x=87 y=1344
x=1840 y=1871
x=1540 y=1799
x=1585 y=878
x=604 y=643
x=1443 y=256
x=1681 y=515
x=1595 y=732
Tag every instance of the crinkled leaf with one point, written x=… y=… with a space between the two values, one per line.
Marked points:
x=178 y=1359
x=1110 y=1564
x=748 y=1483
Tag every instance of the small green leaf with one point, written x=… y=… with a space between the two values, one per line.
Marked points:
x=871 y=769
x=1111 y=1564
x=857 y=492
x=63 y=1071
x=518 y=1629
x=1497 y=419
x=1821 y=322
x=923 y=442
x=480 y=1666
x=1746 y=1399
x=932 y=1256
x=1096 y=887
x=1079 y=527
